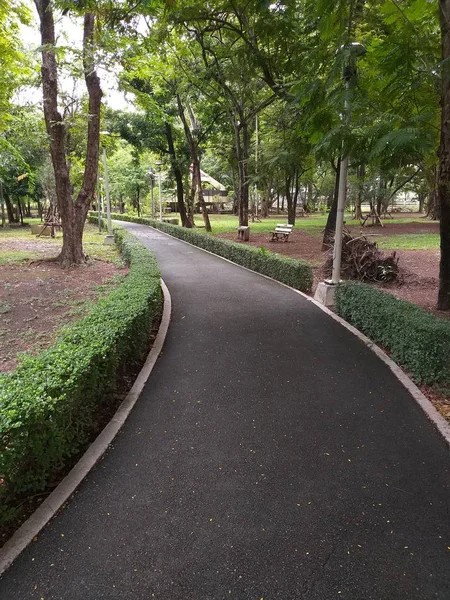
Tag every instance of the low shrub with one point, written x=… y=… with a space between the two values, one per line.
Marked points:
x=293 y=272
x=417 y=340
x=49 y=404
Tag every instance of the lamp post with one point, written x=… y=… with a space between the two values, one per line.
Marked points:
x=109 y=238
x=158 y=164
x=152 y=185
x=326 y=290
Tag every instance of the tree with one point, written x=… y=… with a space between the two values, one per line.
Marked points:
x=444 y=160
x=73 y=212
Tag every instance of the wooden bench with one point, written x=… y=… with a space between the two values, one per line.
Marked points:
x=282 y=232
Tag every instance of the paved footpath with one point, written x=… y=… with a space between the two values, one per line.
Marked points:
x=271 y=456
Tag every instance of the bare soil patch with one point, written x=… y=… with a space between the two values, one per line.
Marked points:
x=419 y=269
x=36 y=299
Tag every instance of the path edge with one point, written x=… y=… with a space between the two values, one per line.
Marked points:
x=53 y=503
x=426 y=405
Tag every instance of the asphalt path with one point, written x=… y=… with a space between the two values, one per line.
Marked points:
x=271 y=456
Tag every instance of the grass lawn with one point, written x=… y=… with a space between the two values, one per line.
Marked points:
x=409 y=241
x=313 y=224
x=18 y=244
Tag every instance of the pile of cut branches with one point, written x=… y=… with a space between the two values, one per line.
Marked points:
x=363 y=261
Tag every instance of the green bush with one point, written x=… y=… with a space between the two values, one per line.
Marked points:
x=415 y=339
x=293 y=272
x=48 y=405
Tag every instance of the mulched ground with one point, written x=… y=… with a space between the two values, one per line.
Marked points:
x=419 y=269
x=37 y=299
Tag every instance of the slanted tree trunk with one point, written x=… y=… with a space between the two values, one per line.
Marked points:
x=444 y=161
x=73 y=213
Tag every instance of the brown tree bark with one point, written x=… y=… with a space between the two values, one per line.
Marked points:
x=73 y=213
x=185 y=221
x=360 y=172
x=9 y=208
x=196 y=187
x=443 y=187
x=330 y=227
x=292 y=189
x=242 y=148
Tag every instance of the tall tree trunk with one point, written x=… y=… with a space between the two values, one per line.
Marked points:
x=19 y=207
x=9 y=208
x=330 y=227
x=421 y=198
x=292 y=189
x=444 y=160
x=360 y=172
x=191 y=139
x=242 y=146
x=73 y=213
x=309 y=197
x=185 y=221
x=201 y=198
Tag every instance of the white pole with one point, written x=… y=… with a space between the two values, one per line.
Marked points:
x=108 y=203
x=160 y=194
x=342 y=197
x=256 y=163
x=153 y=199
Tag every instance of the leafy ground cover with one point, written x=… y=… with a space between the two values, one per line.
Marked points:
x=37 y=298
x=79 y=380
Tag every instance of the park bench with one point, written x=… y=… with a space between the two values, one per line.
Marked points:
x=282 y=232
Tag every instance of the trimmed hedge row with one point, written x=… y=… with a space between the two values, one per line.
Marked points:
x=293 y=272
x=48 y=404
x=416 y=339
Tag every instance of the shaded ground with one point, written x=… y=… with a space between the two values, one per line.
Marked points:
x=419 y=269
x=37 y=299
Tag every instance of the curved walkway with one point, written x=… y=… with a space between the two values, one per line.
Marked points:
x=271 y=456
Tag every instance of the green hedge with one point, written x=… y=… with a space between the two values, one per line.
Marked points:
x=293 y=272
x=48 y=405
x=415 y=339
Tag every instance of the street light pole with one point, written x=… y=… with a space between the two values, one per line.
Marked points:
x=109 y=238
x=99 y=209
x=158 y=166
x=342 y=198
x=326 y=290
x=152 y=185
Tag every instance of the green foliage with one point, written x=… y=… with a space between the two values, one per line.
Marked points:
x=415 y=339
x=293 y=272
x=48 y=405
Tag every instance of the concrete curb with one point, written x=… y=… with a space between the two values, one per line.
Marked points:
x=51 y=505
x=433 y=415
